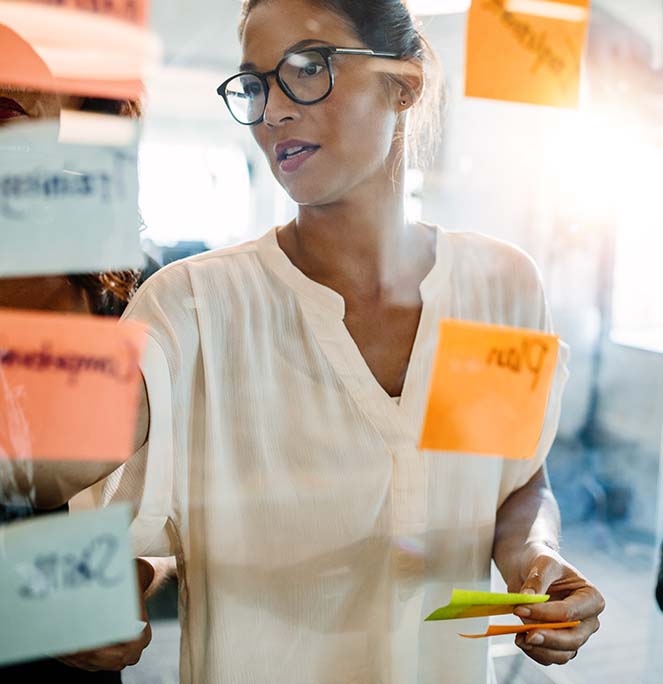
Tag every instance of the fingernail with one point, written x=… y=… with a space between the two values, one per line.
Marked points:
x=529 y=591
x=522 y=612
x=535 y=639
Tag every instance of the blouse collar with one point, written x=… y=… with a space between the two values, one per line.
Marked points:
x=319 y=295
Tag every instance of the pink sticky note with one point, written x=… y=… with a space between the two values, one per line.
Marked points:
x=68 y=386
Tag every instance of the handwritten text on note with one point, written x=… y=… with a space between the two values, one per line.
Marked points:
x=526 y=50
x=68 y=584
x=66 y=208
x=68 y=386
x=489 y=389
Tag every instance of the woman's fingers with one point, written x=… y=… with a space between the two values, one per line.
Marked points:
x=581 y=604
x=110 y=658
x=550 y=647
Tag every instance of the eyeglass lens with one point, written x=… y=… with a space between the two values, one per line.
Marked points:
x=305 y=74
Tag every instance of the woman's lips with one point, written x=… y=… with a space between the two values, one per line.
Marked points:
x=292 y=164
x=10 y=109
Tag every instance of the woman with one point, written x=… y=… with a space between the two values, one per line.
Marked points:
x=287 y=380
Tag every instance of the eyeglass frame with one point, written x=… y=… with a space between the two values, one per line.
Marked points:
x=325 y=51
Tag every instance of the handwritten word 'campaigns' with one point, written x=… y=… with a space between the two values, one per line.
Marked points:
x=489 y=389
x=81 y=201
x=526 y=50
x=68 y=386
x=68 y=584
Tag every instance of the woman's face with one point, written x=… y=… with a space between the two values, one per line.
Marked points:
x=351 y=133
x=22 y=105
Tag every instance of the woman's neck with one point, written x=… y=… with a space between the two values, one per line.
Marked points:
x=362 y=243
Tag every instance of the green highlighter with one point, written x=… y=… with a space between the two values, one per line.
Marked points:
x=469 y=604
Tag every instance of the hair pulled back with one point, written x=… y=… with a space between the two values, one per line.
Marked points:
x=389 y=26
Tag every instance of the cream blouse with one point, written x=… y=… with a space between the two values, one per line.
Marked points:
x=312 y=537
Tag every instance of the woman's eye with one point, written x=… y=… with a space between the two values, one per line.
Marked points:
x=252 y=90
x=310 y=69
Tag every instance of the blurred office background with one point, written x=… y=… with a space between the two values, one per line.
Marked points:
x=579 y=190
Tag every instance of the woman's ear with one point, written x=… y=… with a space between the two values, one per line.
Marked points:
x=409 y=85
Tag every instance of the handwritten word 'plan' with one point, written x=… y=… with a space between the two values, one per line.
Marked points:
x=66 y=208
x=68 y=386
x=68 y=584
x=489 y=390
x=526 y=50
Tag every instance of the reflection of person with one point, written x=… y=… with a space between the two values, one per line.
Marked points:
x=287 y=381
x=94 y=293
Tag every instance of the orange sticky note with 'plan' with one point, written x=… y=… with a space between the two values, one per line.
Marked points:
x=68 y=386
x=526 y=50
x=489 y=389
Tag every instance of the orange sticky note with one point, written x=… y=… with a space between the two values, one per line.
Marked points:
x=82 y=47
x=499 y=630
x=68 y=386
x=526 y=50
x=134 y=11
x=489 y=389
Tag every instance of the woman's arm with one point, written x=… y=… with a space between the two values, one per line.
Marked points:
x=530 y=516
x=49 y=484
x=526 y=551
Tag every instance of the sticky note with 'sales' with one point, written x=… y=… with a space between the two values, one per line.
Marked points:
x=526 y=50
x=471 y=604
x=489 y=390
x=68 y=584
x=66 y=208
x=68 y=386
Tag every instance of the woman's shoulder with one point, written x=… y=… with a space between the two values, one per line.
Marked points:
x=489 y=248
x=175 y=286
x=478 y=255
x=177 y=275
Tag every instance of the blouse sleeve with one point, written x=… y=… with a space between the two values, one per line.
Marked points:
x=153 y=480
x=532 y=311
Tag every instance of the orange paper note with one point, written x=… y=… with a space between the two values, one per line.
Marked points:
x=489 y=389
x=499 y=630
x=134 y=11
x=68 y=386
x=526 y=50
x=98 y=48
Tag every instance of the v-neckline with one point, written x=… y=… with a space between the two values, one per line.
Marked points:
x=324 y=310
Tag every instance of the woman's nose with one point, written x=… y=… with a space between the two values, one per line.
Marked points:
x=279 y=108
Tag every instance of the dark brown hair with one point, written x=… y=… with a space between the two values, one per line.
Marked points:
x=109 y=292
x=389 y=26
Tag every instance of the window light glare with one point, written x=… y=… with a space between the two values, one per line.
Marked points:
x=439 y=6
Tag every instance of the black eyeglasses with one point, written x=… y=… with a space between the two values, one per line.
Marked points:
x=305 y=76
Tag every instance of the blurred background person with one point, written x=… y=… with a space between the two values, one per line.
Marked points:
x=103 y=294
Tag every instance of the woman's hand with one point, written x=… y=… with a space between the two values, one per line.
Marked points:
x=118 y=656
x=572 y=598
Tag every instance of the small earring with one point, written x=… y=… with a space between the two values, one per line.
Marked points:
x=403 y=102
